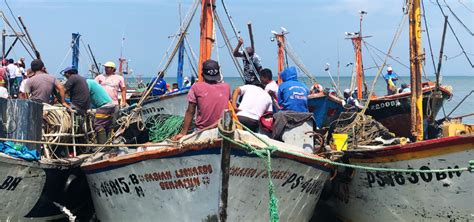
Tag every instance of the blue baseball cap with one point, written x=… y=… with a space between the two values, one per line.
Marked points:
x=68 y=69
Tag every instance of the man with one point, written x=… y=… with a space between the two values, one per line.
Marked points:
x=266 y=77
x=404 y=88
x=112 y=83
x=29 y=74
x=292 y=94
x=105 y=108
x=12 y=70
x=250 y=76
x=78 y=90
x=40 y=87
x=160 y=86
x=255 y=102
x=209 y=98
x=350 y=102
x=391 y=78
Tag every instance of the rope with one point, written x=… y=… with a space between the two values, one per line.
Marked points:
x=228 y=45
x=259 y=152
x=236 y=33
x=392 y=45
x=455 y=36
x=164 y=127
x=84 y=145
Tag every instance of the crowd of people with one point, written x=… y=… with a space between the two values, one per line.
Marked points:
x=36 y=84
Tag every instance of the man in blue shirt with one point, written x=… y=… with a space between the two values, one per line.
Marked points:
x=391 y=78
x=159 y=88
x=292 y=94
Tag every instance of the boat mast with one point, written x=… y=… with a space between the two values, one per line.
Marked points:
x=416 y=59
x=179 y=74
x=281 y=55
x=206 y=38
x=75 y=50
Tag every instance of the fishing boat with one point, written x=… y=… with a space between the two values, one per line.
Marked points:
x=184 y=181
x=326 y=107
x=33 y=186
x=417 y=181
x=206 y=177
x=391 y=110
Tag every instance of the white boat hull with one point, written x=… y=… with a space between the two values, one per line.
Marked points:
x=28 y=190
x=184 y=184
x=377 y=196
x=173 y=104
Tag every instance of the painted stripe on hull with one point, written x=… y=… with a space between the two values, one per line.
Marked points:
x=125 y=160
x=416 y=150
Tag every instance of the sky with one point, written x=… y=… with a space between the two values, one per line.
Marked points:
x=316 y=32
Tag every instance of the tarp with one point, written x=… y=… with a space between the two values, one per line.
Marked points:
x=21 y=119
x=19 y=151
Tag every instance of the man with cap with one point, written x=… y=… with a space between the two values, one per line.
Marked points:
x=292 y=94
x=391 y=78
x=349 y=102
x=250 y=76
x=76 y=87
x=207 y=99
x=12 y=70
x=112 y=83
x=40 y=87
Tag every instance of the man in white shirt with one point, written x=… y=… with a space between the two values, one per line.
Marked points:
x=12 y=69
x=255 y=102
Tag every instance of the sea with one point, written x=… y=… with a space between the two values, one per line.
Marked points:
x=458 y=105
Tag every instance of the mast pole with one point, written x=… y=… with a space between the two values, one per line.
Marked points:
x=416 y=57
x=206 y=38
x=4 y=35
x=75 y=50
x=281 y=54
x=37 y=54
x=440 y=61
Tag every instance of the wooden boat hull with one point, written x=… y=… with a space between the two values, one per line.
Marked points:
x=325 y=108
x=28 y=190
x=377 y=196
x=184 y=184
x=394 y=111
x=169 y=104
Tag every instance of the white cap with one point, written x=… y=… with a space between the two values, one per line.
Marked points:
x=389 y=69
x=348 y=91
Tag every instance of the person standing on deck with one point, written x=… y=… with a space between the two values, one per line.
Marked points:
x=207 y=99
x=292 y=94
x=391 y=78
x=40 y=87
x=12 y=70
x=255 y=102
x=105 y=108
x=76 y=87
x=250 y=76
x=112 y=83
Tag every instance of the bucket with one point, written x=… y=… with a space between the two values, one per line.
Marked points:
x=340 y=140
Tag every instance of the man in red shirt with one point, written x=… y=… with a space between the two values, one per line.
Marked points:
x=210 y=98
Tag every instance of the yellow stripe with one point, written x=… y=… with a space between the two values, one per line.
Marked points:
x=102 y=115
x=416 y=155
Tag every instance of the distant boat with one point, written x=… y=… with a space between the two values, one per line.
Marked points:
x=373 y=195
